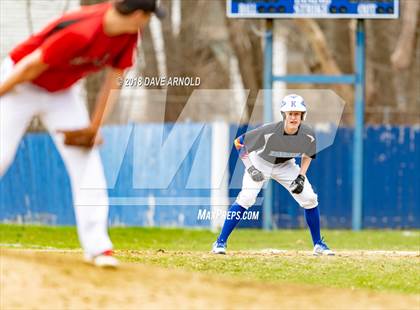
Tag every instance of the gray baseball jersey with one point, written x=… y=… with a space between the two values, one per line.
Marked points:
x=275 y=146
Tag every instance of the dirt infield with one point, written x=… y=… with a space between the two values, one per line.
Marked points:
x=54 y=280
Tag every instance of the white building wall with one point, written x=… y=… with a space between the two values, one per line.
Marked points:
x=15 y=25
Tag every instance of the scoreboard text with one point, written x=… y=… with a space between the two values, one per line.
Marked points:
x=384 y=9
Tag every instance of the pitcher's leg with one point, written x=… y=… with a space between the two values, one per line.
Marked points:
x=13 y=124
x=90 y=197
x=17 y=109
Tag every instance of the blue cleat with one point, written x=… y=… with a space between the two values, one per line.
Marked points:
x=321 y=248
x=219 y=247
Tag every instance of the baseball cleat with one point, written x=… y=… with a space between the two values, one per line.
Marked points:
x=104 y=260
x=321 y=248
x=219 y=247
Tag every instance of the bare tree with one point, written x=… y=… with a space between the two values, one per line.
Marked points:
x=324 y=55
x=149 y=50
x=248 y=49
x=328 y=48
x=392 y=95
x=189 y=53
x=29 y=17
x=66 y=6
x=36 y=124
x=402 y=56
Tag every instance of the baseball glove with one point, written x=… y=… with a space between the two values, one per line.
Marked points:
x=85 y=137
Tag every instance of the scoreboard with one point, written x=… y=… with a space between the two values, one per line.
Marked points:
x=360 y=9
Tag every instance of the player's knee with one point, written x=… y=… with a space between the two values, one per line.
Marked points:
x=311 y=202
x=246 y=200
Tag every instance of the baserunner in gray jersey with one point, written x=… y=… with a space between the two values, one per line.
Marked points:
x=269 y=152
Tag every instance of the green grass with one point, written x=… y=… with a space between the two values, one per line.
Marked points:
x=188 y=249
x=201 y=240
x=378 y=274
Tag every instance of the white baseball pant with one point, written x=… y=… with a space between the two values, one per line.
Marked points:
x=284 y=174
x=59 y=111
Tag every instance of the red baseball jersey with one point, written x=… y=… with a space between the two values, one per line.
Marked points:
x=75 y=45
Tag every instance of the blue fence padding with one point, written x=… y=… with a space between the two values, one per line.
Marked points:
x=163 y=207
x=391 y=196
x=36 y=188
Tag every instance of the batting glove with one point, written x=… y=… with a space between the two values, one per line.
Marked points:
x=256 y=175
x=297 y=185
